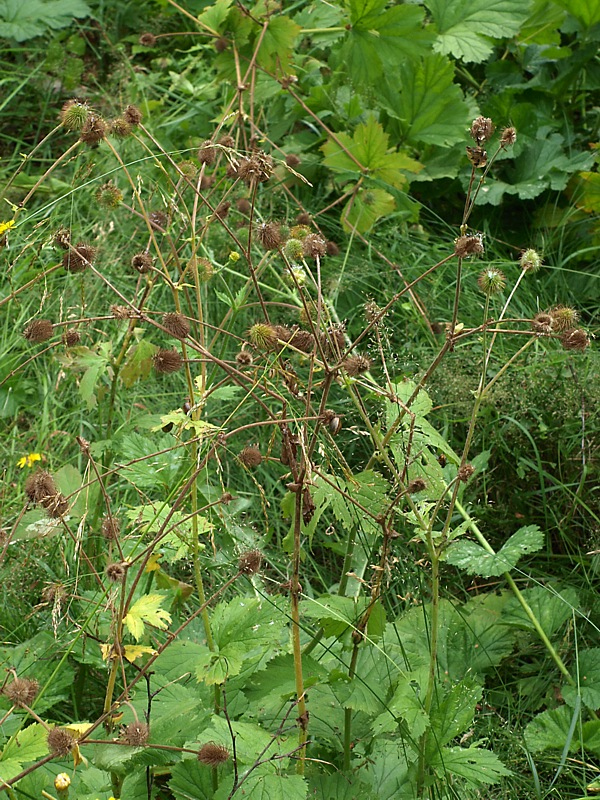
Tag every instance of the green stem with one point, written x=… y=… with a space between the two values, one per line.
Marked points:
x=295 y=614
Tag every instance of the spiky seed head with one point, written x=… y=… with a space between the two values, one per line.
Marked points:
x=292 y=160
x=243 y=205
x=269 y=235
x=109 y=196
x=465 y=472
x=54 y=593
x=416 y=485
x=482 y=129
x=204 y=269
x=39 y=485
x=39 y=330
x=188 y=169
x=249 y=563
x=62 y=238
x=220 y=44
x=93 y=130
x=21 y=691
x=542 y=323
x=314 y=246
x=477 y=156
x=303 y=340
x=74 y=114
x=136 y=734
x=213 y=754
x=78 y=258
x=334 y=340
x=60 y=742
x=147 y=39
x=226 y=498
x=222 y=210
x=468 y=246
x=121 y=312
x=158 y=219
x=120 y=128
x=71 y=337
x=530 y=260
x=207 y=152
x=110 y=527
x=300 y=231
x=142 y=262
x=116 y=572
x=308 y=312
x=509 y=137
x=491 y=281
x=564 y=318
x=576 y=340
x=176 y=324
x=132 y=115
x=332 y=248
x=294 y=275
x=227 y=141
x=263 y=336
x=55 y=506
x=257 y=168
x=283 y=334
x=250 y=456
x=294 y=249
x=167 y=361
x=356 y=365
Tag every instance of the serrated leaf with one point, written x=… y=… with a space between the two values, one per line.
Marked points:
x=27 y=745
x=549 y=730
x=586 y=11
x=587 y=680
x=366 y=208
x=472 y=764
x=454 y=713
x=191 y=780
x=428 y=106
x=134 y=651
x=278 y=42
x=476 y=560
x=406 y=704
x=213 y=17
x=467 y=26
x=552 y=608
x=138 y=364
x=389 y=776
x=146 y=610
x=275 y=787
x=155 y=461
x=25 y=20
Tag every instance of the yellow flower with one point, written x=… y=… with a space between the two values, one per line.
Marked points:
x=6 y=226
x=28 y=460
x=62 y=782
x=233 y=257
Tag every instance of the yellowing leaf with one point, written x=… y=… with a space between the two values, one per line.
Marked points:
x=146 y=610
x=133 y=651
x=152 y=564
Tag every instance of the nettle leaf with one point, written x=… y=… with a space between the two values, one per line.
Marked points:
x=426 y=104
x=405 y=705
x=472 y=764
x=146 y=610
x=191 y=780
x=213 y=17
x=475 y=559
x=380 y=40
x=453 y=714
x=335 y=613
x=275 y=787
x=21 y=21
x=389 y=776
x=588 y=669
x=466 y=26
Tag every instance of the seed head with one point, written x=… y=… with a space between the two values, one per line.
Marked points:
x=530 y=260
x=263 y=336
x=221 y=44
x=136 y=734
x=292 y=160
x=294 y=249
x=188 y=169
x=491 y=281
x=301 y=230
x=21 y=691
x=416 y=485
x=56 y=506
x=121 y=312
x=332 y=249
x=575 y=340
x=250 y=457
x=116 y=572
x=314 y=246
x=40 y=485
x=477 y=156
x=158 y=219
x=257 y=168
x=93 y=130
x=62 y=782
x=249 y=563
x=482 y=129
x=60 y=742
x=147 y=39
x=71 y=337
x=176 y=324
x=222 y=210
x=244 y=359
x=465 y=472
x=73 y=115
x=78 y=258
x=334 y=341
x=468 y=246
x=62 y=238
x=243 y=205
x=564 y=318
x=226 y=498
x=132 y=115
x=142 y=262
x=40 y=330
x=542 y=323
x=302 y=340
x=54 y=593
x=108 y=196
x=110 y=527
x=213 y=754
x=167 y=361
x=269 y=235
x=356 y=365
x=207 y=152
x=227 y=141
x=508 y=138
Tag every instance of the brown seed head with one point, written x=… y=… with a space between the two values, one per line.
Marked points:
x=356 y=365
x=207 y=152
x=292 y=160
x=40 y=485
x=257 y=168
x=60 y=742
x=477 y=156
x=250 y=457
x=213 y=754
x=176 y=324
x=509 y=137
x=121 y=312
x=204 y=269
x=111 y=527
x=542 y=323
x=334 y=341
x=78 y=258
x=226 y=498
x=158 y=219
x=332 y=249
x=74 y=114
x=147 y=39
x=142 y=262
x=416 y=485
x=167 y=361
x=55 y=506
x=482 y=129
x=222 y=210
x=21 y=691
x=227 y=141
x=220 y=44
x=54 y=593
x=314 y=246
x=249 y=563
x=136 y=734
x=40 y=330
x=564 y=318
x=303 y=340
x=62 y=238
x=132 y=115
x=243 y=205
x=120 y=128
x=576 y=340
x=468 y=246
x=93 y=130
x=108 y=196
x=71 y=337
x=465 y=472
x=116 y=572
x=269 y=235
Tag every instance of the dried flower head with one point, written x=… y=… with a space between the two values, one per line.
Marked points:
x=482 y=129
x=204 y=269
x=78 y=258
x=142 y=262
x=188 y=169
x=294 y=249
x=227 y=141
x=269 y=235
x=147 y=39
x=576 y=340
x=302 y=340
x=62 y=238
x=465 y=472
x=334 y=341
x=110 y=527
x=314 y=246
x=257 y=168
x=250 y=457
x=332 y=248
x=120 y=128
x=222 y=210
x=60 y=742
x=55 y=506
x=116 y=572
x=93 y=130
x=249 y=563
x=416 y=485
x=509 y=137
x=108 y=196
x=40 y=485
x=263 y=336
x=292 y=160
x=21 y=691
x=530 y=260
x=54 y=593
x=243 y=205
x=121 y=312
x=300 y=231
x=71 y=337
x=221 y=44
x=74 y=114
x=176 y=324
x=491 y=281
x=136 y=734
x=158 y=219
x=167 y=361
x=542 y=322
x=564 y=318
x=132 y=115
x=477 y=156
x=207 y=152
x=39 y=330
x=356 y=365
x=226 y=498
x=213 y=754
x=468 y=246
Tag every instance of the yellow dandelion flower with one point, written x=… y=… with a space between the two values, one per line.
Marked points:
x=28 y=460
x=6 y=226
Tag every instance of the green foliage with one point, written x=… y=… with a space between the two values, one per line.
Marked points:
x=22 y=21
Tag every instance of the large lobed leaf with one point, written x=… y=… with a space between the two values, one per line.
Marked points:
x=24 y=19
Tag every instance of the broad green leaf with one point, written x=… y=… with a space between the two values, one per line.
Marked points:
x=138 y=364
x=453 y=714
x=389 y=776
x=335 y=613
x=377 y=676
x=24 y=20
x=473 y=764
x=587 y=678
x=365 y=208
x=191 y=780
x=146 y=610
x=278 y=42
x=379 y=40
x=550 y=730
x=552 y=608
x=155 y=460
x=466 y=27
x=214 y=16
x=476 y=560
x=428 y=106
x=587 y=195
x=406 y=705
x=275 y=787
x=27 y=745
x=338 y=786
x=585 y=11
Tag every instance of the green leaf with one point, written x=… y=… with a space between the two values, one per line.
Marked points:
x=191 y=780
x=278 y=42
x=27 y=745
x=138 y=364
x=551 y=608
x=380 y=40
x=588 y=680
x=472 y=764
x=389 y=776
x=550 y=730
x=453 y=714
x=428 y=106
x=335 y=613
x=365 y=208
x=476 y=560
x=585 y=11
x=214 y=16
x=21 y=21
x=466 y=26
x=146 y=610
x=275 y=787
x=156 y=461
x=406 y=704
